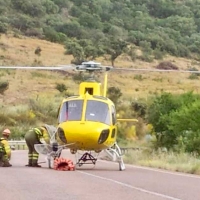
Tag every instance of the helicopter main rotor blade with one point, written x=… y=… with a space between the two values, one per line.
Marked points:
x=156 y=70
x=107 y=68
x=64 y=68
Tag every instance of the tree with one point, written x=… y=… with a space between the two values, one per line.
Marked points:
x=3 y=27
x=51 y=7
x=90 y=21
x=175 y=118
x=71 y=29
x=62 y=3
x=158 y=115
x=83 y=50
x=186 y=26
x=22 y=22
x=114 y=48
x=38 y=51
x=160 y=106
x=74 y=48
x=32 y=8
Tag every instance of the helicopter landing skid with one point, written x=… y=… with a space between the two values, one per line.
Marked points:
x=85 y=158
x=115 y=155
x=52 y=156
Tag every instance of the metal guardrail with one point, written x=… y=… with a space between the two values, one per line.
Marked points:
x=17 y=144
x=21 y=145
x=125 y=150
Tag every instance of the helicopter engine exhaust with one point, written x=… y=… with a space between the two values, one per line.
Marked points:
x=103 y=136
x=61 y=135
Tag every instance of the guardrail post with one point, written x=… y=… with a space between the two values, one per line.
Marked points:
x=19 y=144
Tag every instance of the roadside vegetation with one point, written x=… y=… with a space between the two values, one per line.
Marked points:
x=177 y=162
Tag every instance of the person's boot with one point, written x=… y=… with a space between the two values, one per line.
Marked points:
x=36 y=165
x=29 y=165
x=6 y=164
x=1 y=164
x=30 y=160
x=35 y=162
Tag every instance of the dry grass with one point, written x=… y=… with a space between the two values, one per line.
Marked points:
x=24 y=84
x=21 y=51
x=181 y=162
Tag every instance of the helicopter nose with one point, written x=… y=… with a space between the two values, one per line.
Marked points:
x=103 y=136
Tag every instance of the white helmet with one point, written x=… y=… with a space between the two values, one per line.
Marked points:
x=6 y=132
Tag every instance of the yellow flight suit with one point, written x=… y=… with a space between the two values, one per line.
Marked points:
x=7 y=156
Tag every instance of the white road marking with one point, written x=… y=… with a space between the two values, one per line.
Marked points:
x=130 y=186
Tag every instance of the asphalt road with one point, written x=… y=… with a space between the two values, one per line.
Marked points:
x=102 y=182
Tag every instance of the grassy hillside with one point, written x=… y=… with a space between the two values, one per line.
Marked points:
x=134 y=85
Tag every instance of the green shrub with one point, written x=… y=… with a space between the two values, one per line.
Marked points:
x=3 y=27
x=138 y=77
x=193 y=76
x=177 y=117
x=78 y=78
x=61 y=87
x=3 y=87
x=44 y=109
x=114 y=94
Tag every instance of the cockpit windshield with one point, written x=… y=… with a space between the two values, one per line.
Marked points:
x=97 y=111
x=71 y=111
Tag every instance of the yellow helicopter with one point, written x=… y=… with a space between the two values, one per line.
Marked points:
x=88 y=121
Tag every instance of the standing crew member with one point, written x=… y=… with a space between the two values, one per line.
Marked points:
x=5 y=151
x=33 y=137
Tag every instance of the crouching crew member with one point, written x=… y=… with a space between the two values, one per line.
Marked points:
x=5 y=151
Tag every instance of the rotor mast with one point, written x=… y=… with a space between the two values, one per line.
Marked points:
x=91 y=86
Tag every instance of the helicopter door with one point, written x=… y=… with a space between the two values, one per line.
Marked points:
x=114 y=121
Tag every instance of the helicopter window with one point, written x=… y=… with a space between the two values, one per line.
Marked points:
x=97 y=111
x=71 y=111
x=113 y=111
x=89 y=90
